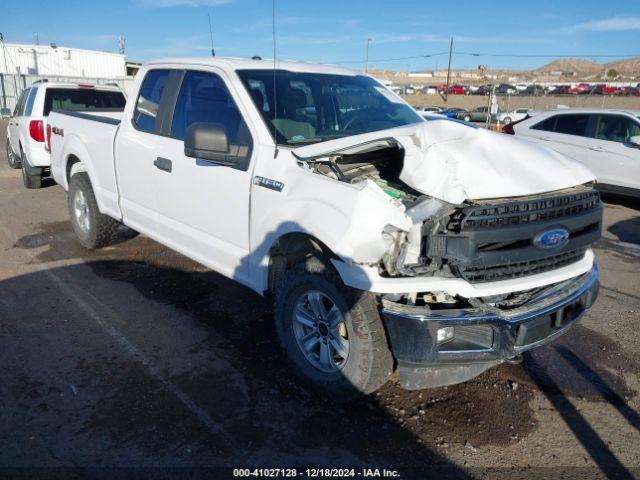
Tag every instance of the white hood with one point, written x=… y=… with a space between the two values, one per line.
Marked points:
x=454 y=162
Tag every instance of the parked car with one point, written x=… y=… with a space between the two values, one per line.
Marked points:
x=365 y=224
x=579 y=89
x=484 y=90
x=476 y=115
x=431 y=109
x=533 y=90
x=599 y=90
x=512 y=116
x=628 y=91
x=506 y=89
x=452 y=112
x=456 y=90
x=606 y=141
x=562 y=90
x=26 y=147
x=5 y=112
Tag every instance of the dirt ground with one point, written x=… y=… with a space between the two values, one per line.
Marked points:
x=135 y=361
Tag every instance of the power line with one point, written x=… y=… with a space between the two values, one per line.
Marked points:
x=392 y=59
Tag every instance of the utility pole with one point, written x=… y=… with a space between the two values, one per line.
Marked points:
x=446 y=93
x=366 y=58
x=122 y=44
x=37 y=38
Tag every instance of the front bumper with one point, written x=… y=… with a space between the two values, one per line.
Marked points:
x=496 y=335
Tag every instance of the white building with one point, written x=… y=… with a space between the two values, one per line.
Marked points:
x=52 y=60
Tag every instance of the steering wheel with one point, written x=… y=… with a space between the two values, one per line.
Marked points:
x=356 y=116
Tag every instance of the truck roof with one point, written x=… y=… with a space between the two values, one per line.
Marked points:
x=232 y=63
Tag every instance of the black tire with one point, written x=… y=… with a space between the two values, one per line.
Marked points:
x=467 y=118
x=507 y=120
x=369 y=363
x=101 y=229
x=31 y=176
x=12 y=159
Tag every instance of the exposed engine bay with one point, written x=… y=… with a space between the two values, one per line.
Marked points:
x=382 y=164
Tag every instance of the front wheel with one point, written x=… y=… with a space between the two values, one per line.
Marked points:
x=93 y=229
x=467 y=118
x=507 y=120
x=332 y=334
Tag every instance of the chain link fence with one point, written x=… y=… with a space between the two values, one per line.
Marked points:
x=12 y=85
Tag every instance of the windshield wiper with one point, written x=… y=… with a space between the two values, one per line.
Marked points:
x=319 y=139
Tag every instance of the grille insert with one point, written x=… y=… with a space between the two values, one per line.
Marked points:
x=523 y=212
x=489 y=273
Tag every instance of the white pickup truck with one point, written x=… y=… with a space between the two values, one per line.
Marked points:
x=388 y=242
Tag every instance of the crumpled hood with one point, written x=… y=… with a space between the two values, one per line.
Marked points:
x=454 y=162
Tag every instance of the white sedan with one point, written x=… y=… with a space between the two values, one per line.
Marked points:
x=606 y=141
x=512 y=116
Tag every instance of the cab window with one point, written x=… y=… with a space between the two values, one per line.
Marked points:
x=145 y=116
x=616 y=128
x=204 y=97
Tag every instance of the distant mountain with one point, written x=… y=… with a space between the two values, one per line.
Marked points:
x=630 y=66
x=572 y=65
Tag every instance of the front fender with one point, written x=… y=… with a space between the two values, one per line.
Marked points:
x=347 y=219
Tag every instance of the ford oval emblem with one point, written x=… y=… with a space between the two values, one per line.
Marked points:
x=554 y=238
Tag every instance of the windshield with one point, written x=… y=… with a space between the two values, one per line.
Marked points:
x=314 y=107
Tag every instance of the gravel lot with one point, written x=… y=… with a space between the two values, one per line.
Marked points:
x=136 y=357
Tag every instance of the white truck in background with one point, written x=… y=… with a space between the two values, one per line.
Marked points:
x=432 y=247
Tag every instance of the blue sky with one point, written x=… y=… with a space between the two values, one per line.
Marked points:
x=336 y=31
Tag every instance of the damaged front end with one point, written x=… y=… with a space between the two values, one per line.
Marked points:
x=451 y=246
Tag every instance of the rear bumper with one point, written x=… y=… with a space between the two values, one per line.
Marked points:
x=37 y=156
x=481 y=339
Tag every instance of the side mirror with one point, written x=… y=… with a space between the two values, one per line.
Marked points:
x=635 y=141
x=208 y=142
x=5 y=112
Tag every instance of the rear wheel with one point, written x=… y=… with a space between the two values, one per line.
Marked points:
x=93 y=229
x=31 y=176
x=467 y=118
x=507 y=120
x=332 y=334
x=12 y=159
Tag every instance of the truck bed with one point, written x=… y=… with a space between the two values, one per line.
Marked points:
x=87 y=135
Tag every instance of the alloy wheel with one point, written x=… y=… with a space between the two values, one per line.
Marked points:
x=320 y=331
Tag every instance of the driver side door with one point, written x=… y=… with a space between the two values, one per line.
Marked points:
x=203 y=206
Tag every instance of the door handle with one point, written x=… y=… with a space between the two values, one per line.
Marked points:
x=597 y=149
x=545 y=138
x=163 y=164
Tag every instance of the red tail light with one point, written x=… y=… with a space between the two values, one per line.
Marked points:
x=508 y=129
x=36 y=130
x=47 y=144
